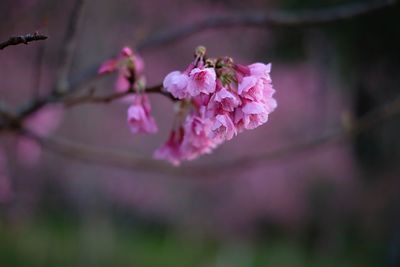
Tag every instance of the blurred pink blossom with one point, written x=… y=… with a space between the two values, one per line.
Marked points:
x=140 y=119
x=196 y=140
x=43 y=123
x=130 y=67
x=223 y=127
x=46 y=120
x=171 y=150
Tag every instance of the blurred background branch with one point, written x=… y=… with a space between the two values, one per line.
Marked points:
x=69 y=46
x=262 y=19
x=79 y=151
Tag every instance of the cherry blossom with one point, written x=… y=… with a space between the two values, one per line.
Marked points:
x=220 y=100
x=171 y=150
x=140 y=119
x=176 y=83
x=202 y=80
x=197 y=140
x=130 y=67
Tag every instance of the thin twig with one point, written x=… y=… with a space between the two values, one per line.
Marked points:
x=69 y=45
x=23 y=39
x=268 y=19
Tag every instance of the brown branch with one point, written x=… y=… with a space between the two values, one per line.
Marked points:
x=303 y=18
x=90 y=154
x=23 y=39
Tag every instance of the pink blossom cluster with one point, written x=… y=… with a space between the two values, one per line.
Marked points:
x=221 y=100
x=215 y=98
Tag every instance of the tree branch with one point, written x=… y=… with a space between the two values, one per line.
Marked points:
x=90 y=154
x=23 y=39
x=268 y=19
x=96 y=155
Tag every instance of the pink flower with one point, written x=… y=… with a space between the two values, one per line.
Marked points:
x=260 y=70
x=176 y=83
x=257 y=93
x=270 y=104
x=251 y=115
x=122 y=83
x=224 y=100
x=223 y=128
x=126 y=58
x=252 y=88
x=171 y=150
x=202 y=81
x=196 y=140
x=139 y=116
x=108 y=66
x=126 y=51
x=130 y=68
x=257 y=85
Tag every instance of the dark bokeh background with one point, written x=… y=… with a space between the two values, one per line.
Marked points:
x=335 y=205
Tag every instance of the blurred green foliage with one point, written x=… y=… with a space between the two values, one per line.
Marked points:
x=57 y=243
